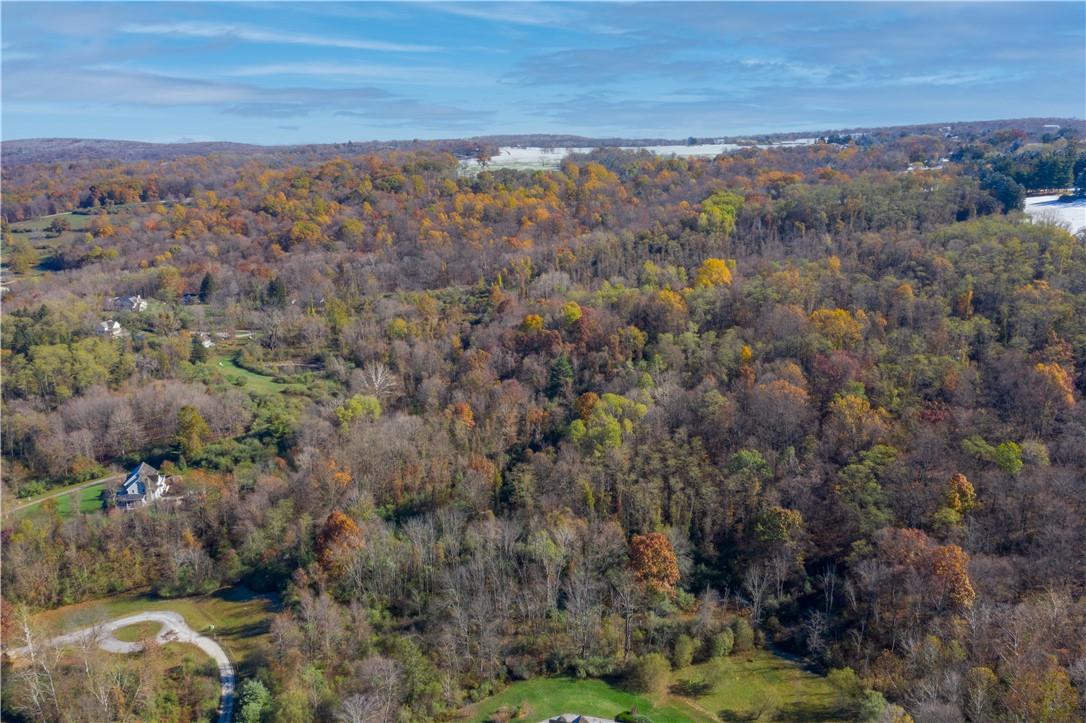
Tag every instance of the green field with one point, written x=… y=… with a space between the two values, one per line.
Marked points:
x=235 y=617
x=251 y=381
x=86 y=500
x=79 y=501
x=46 y=243
x=755 y=686
x=539 y=699
x=137 y=632
x=763 y=686
x=76 y=221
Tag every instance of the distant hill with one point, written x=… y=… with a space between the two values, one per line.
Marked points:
x=53 y=150
x=47 y=150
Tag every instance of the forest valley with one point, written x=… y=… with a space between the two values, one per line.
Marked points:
x=596 y=421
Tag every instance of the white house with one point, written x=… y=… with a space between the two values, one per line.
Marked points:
x=109 y=327
x=127 y=303
x=144 y=484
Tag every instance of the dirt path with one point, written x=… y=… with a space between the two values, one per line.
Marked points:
x=174 y=630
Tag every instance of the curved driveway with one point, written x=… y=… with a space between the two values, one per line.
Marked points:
x=174 y=630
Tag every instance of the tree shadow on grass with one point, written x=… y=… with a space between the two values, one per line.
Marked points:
x=794 y=713
x=693 y=688
x=809 y=713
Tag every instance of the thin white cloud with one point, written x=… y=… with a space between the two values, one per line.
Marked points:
x=429 y=75
x=949 y=77
x=531 y=14
x=260 y=35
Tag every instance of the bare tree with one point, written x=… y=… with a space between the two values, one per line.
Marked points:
x=626 y=597
x=756 y=582
x=359 y=708
x=828 y=578
x=583 y=609
x=375 y=379
x=383 y=675
x=814 y=629
x=38 y=679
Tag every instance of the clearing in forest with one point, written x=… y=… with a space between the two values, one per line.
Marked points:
x=746 y=686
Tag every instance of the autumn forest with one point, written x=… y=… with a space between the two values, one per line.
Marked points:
x=470 y=428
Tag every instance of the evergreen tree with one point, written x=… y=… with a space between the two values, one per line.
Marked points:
x=199 y=351
x=207 y=287
x=561 y=376
x=277 y=292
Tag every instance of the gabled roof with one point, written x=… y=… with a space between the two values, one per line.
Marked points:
x=139 y=482
x=143 y=471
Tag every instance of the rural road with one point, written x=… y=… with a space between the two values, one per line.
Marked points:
x=174 y=630
x=65 y=491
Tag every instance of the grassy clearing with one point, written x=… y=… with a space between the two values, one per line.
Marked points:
x=762 y=686
x=545 y=697
x=251 y=381
x=47 y=243
x=76 y=221
x=74 y=486
x=69 y=500
x=178 y=658
x=235 y=617
x=137 y=632
x=84 y=501
x=755 y=686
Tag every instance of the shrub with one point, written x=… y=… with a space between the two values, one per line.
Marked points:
x=683 y=655
x=872 y=706
x=848 y=687
x=253 y=702
x=650 y=674
x=721 y=644
x=31 y=488
x=743 y=635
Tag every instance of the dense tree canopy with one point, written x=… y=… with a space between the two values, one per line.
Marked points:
x=631 y=411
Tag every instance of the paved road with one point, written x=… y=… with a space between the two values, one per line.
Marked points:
x=66 y=491
x=174 y=630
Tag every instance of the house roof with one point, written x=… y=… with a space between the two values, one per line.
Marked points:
x=143 y=471
x=135 y=487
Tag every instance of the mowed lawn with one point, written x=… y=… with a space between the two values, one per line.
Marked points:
x=78 y=501
x=754 y=686
x=251 y=381
x=86 y=500
x=762 y=686
x=539 y=699
x=137 y=632
x=237 y=618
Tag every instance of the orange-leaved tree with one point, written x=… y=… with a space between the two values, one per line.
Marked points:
x=653 y=561
x=338 y=538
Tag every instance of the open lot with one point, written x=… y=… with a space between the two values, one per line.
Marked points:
x=1050 y=208
x=70 y=500
x=755 y=686
x=542 y=698
x=237 y=618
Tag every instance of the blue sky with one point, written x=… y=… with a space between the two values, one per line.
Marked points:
x=287 y=72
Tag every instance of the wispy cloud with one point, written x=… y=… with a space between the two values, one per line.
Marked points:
x=127 y=88
x=414 y=75
x=246 y=71
x=261 y=35
x=962 y=77
x=540 y=15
